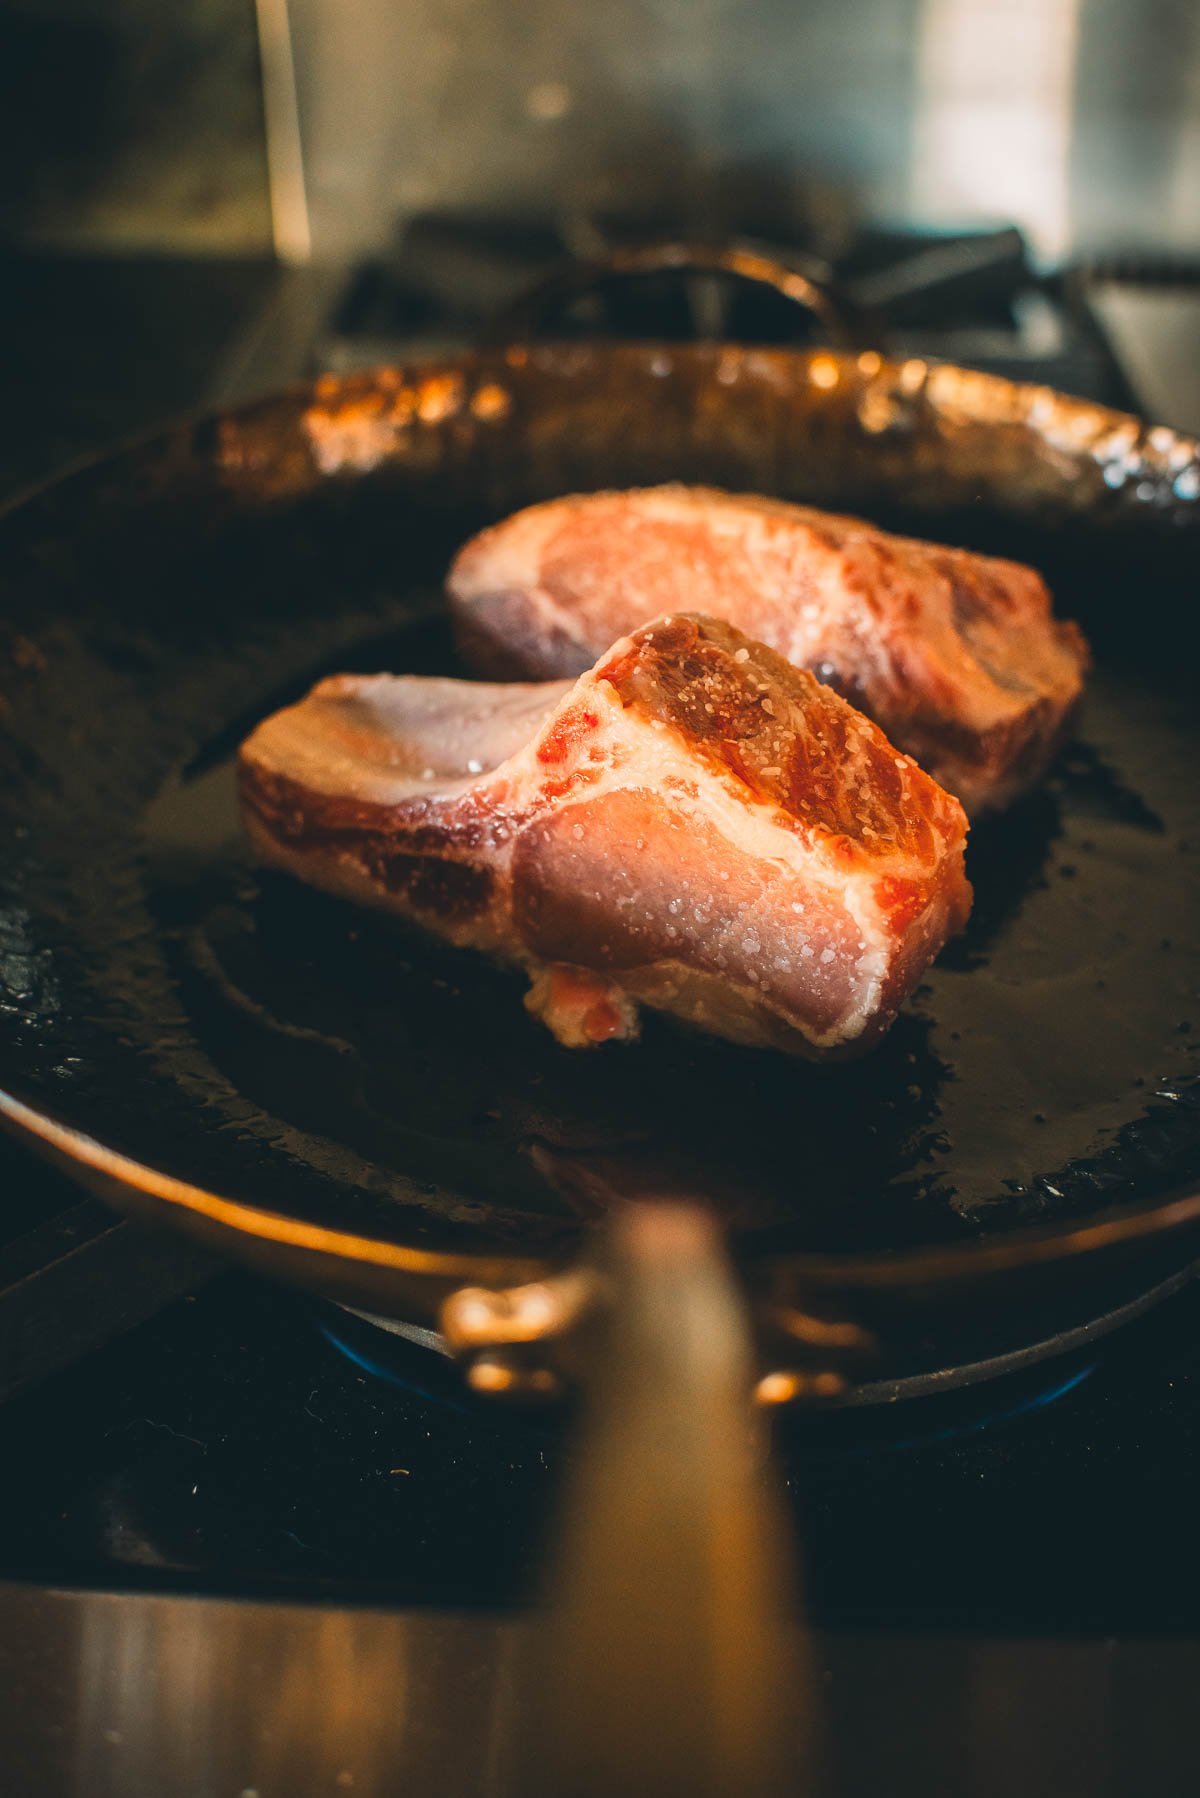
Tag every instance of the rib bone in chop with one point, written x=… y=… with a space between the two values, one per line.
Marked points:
x=957 y=656
x=694 y=825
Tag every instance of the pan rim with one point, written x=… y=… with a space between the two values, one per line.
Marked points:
x=961 y=396
x=153 y=1191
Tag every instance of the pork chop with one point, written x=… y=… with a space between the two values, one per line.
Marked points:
x=694 y=825
x=957 y=656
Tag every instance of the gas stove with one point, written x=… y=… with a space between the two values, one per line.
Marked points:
x=178 y=1432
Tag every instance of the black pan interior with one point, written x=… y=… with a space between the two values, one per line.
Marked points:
x=272 y=1045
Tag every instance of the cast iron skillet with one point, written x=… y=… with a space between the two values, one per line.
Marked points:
x=349 y=1106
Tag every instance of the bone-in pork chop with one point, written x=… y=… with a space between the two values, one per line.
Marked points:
x=695 y=824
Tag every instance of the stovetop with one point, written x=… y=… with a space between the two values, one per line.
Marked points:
x=245 y=1440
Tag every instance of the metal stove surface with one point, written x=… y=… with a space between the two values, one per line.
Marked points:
x=134 y=1697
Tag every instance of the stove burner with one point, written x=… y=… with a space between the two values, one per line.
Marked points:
x=953 y=1416
x=414 y=1361
x=405 y=1357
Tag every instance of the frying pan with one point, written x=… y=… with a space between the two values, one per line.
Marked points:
x=347 y=1106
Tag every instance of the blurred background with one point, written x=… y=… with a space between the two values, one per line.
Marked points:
x=240 y=189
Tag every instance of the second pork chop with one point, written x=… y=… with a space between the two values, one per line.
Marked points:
x=957 y=656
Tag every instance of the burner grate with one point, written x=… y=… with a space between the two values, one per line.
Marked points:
x=972 y=297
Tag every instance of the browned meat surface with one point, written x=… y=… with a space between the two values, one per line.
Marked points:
x=694 y=825
x=957 y=656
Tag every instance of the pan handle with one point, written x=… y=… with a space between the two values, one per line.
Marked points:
x=844 y=323
x=666 y=1662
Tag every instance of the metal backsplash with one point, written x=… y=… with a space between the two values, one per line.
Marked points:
x=1079 y=119
x=128 y=124
x=132 y=126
